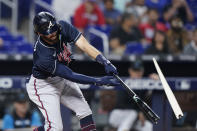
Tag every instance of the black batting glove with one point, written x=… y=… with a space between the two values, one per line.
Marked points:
x=110 y=69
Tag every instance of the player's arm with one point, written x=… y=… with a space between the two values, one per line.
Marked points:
x=83 y=44
x=74 y=36
x=58 y=69
x=65 y=72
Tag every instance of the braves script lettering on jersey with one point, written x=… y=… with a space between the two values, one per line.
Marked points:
x=64 y=55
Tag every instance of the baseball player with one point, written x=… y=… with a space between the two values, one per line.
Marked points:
x=52 y=81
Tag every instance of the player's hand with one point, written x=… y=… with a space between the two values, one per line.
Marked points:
x=110 y=69
x=107 y=80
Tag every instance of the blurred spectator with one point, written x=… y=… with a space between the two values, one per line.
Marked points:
x=87 y=14
x=159 y=44
x=177 y=36
x=190 y=34
x=126 y=32
x=191 y=48
x=121 y=4
x=107 y=100
x=127 y=116
x=100 y=3
x=179 y=8
x=138 y=8
x=21 y=117
x=63 y=11
x=148 y=29
x=136 y=69
x=112 y=16
x=1 y=42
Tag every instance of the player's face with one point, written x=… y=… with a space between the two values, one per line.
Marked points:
x=51 y=37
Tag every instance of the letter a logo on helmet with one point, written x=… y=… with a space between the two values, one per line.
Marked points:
x=50 y=24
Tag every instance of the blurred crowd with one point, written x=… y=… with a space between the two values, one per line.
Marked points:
x=137 y=26
x=17 y=112
x=132 y=26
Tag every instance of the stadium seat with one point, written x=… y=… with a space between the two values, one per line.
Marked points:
x=105 y=29
x=96 y=41
x=6 y=37
x=39 y=8
x=6 y=48
x=14 y=44
x=26 y=48
x=159 y=4
x=134 y=48
x=3 y=29
x=97 y=38
x=19 y=38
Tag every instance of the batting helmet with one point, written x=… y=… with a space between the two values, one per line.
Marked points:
x=45 y=23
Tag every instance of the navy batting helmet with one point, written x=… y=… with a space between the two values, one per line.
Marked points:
x=45 y=23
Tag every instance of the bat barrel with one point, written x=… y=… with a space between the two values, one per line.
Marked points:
x=171 y=98
x=147 y=111
x=142 y=105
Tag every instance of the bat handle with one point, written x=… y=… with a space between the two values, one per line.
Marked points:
x=131 y=93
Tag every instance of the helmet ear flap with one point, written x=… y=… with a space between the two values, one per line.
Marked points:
x=36 y=32
x=59 y=27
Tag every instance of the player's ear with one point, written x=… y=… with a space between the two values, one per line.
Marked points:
x=39 y=34
x=36 y=32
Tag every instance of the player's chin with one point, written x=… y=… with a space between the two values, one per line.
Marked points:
x=53 y=38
